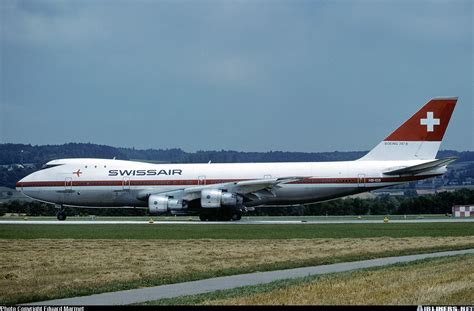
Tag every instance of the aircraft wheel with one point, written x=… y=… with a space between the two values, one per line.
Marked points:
x=61 y=215
x=236 y=216
x=228 y=216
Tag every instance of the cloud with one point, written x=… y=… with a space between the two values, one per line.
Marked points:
x=50 y=23
x=436 y=21
x=232 y=70
x=305 y=61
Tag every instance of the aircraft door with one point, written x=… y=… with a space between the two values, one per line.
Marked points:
x=66 y=194
x=201 y=180
x=68 y=184
x=361 y=180
x=126 y=183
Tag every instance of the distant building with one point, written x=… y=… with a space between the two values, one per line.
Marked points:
x=463 y=210
x=425 y=191
x=468 y=181
x=454 y=188
x=388 y=191
x=8 y=194
x=363 y=196
x=10 y=167
x=5 y=192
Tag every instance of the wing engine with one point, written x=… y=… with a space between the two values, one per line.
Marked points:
x=163 y=203
x=224 y=196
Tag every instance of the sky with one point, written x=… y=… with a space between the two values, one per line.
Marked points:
x=307 y=76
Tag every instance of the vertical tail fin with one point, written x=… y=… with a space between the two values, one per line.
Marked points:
x=420 y=136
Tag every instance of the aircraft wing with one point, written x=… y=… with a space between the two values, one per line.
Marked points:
x=246 y=186
x=420 y=168
x=254 y=187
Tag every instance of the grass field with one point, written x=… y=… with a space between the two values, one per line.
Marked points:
x=234 y=231
x=41 y=262
x=440 y=281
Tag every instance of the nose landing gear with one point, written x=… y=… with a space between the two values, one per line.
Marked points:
x=61 y=214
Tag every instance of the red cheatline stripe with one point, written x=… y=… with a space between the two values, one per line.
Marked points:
x=194 y=182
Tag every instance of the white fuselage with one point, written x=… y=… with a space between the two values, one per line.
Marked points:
x=118 y=183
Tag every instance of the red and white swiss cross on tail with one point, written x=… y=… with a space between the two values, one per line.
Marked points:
x=419 y=138
x=428 y=124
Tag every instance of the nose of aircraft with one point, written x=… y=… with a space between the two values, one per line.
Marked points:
x=21 y=182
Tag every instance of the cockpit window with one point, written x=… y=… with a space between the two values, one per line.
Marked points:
x=46 y=166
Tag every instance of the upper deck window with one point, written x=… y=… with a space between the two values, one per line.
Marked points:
x=46 y=166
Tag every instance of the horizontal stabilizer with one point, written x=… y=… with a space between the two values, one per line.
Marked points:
x=420 y=168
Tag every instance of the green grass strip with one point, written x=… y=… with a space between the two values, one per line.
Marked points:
x=234 y=231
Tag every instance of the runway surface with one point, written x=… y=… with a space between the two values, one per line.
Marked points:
x=228 y=282
x=241 y=222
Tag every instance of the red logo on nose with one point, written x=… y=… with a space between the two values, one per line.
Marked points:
x=78 y=173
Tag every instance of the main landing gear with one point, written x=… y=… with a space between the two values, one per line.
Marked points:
x=61 y=214
x=219 y=214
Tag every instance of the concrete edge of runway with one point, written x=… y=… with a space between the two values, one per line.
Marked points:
x=241 y=222
x=142 y=295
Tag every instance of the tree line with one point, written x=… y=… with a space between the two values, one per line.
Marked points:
x=39 y=155
x=440 y=203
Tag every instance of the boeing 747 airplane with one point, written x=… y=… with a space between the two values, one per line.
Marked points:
x=222 y=191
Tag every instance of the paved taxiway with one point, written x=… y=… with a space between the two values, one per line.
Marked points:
x=241 y=222
x=228 y=282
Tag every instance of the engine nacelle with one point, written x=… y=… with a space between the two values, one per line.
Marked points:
x=161 y=204
x=215 y=198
